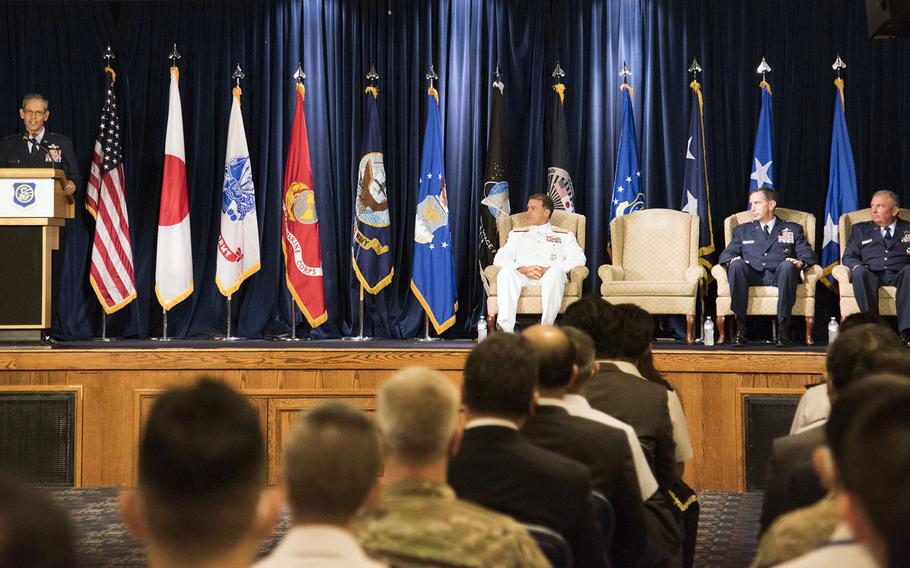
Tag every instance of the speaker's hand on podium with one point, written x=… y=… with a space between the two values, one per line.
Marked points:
x=69 y=188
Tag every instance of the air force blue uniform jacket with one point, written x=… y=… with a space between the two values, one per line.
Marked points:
x=763 y=262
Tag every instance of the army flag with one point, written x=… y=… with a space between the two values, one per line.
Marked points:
x=494 y=197
x=371 y=253
x=300 y=224
x=433 y=274
x=174 y=265
x=238 y=243
x=842 y=192
x=111 y=272
x=556 y=158
x=628 y=195
x=696 y=198
x=762 y=155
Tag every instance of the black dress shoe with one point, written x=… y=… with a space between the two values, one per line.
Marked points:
x=740 y=337
x=905 y=338
x=783 y=339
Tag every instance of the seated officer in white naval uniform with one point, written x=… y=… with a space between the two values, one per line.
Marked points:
x=537 y=255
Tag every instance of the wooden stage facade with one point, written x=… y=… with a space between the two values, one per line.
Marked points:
x=114 y=389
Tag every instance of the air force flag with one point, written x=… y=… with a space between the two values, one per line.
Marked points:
x=433 y=275
x=628 y=195
x=841 y=185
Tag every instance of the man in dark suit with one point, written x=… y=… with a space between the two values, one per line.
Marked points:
x=499 y=469
x=766 y=252
x=602 y=448
x=37 y=147
x=855 y=354
x=878 y=254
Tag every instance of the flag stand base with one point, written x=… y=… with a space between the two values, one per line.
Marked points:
x=293 y=336
x=426 y=332
x=164 y=336
x=360 y=336
x=228 y=336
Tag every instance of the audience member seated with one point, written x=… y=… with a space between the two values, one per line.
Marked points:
x=497 y=468
x=814 y=406
x=34 y=530
x=855 y=354
x=868 y=435
x=418 y=521
x=332 y=463
x=602 y=448
x=200 y=499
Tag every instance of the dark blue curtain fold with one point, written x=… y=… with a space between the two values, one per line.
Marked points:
x=336 y=42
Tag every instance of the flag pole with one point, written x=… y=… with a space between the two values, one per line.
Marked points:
x=108 y=57
x=430 y=76
x=237 y=75
x=299 y=76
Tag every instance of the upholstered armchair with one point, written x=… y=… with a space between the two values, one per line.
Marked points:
x=655 y=264
x=887 y=295
x=529 y=302
x=763 y=299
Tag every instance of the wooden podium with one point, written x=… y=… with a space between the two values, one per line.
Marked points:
x=32 y=210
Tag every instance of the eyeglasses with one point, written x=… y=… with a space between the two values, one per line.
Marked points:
x=34 y=113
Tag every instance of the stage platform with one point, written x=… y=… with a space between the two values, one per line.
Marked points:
x=114 y=384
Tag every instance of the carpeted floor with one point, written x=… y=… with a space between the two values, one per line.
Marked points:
x=726 y=538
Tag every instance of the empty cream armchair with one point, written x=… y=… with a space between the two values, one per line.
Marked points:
x=529 y=302
x=763 y=299
x=887 y=295
x=655 y=264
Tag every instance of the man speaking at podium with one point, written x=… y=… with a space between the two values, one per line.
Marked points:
x=39 y=148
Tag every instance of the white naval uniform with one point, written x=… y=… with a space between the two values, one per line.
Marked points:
x=538 y=245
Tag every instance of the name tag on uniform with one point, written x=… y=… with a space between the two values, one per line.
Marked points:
x=748 y=242
x=866 y=242
x=553 y=239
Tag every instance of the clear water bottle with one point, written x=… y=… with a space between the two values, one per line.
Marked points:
x=707 y=335
x=833 y=328
x=481 y=330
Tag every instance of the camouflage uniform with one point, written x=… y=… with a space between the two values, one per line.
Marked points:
x=797 y=533
x=421 y=523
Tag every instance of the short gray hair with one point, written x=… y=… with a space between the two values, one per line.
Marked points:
x=35 y=97
x=417 y=410
x=895 y=198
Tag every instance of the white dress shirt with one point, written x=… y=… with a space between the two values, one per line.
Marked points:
x=578 y=405
x=318 y=546
x=677 y=416
x=814 y=408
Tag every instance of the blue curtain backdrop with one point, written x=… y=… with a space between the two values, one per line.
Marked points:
x=337 y=40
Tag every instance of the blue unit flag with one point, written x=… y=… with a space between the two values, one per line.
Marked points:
x=628 y=195
x=433 y=275
x=842 y=194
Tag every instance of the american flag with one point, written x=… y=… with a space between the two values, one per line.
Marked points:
x=112 y=256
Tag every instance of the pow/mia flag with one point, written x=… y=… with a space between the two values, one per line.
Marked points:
x=559 y=180
x=494 y=197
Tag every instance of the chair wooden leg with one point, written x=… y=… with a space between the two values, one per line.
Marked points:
x=810 y=323
x=491 y=324
x=721 y=329
x=690 y=329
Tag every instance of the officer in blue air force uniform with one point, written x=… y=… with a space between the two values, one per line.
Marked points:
x=537 y=255
x=37 y=147
x=878 y=254
x=766 y=252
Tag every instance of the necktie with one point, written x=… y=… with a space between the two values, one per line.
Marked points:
x=767 y=230
x=887 y=236
x=31 y=145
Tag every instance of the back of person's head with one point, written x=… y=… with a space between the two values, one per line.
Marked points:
x=34 y=530
x=861 y=318
x=868 y=433
x=417 y=410
x=585 y=355
x=630 y=330
x=555 y=356
x=331 y=462
x=590 y=314
x=647 y=369
x=201 y=470
x=500 y=376
x=864 y=350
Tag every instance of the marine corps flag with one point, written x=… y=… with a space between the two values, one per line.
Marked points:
x=696 y=198
x=628 y=196
x=841 y=185
x=371 y=254
x=174 y=266
x=300 y=225
x=559 y=181
x=111 y=273
x=494 y=197
x=238 y=243
x=433 y=275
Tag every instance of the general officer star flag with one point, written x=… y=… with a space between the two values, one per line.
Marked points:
x=762 y=163
x=371 y=247
x=696 y=197
x=238 y=243
x=433 y=275
x=841 y=185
